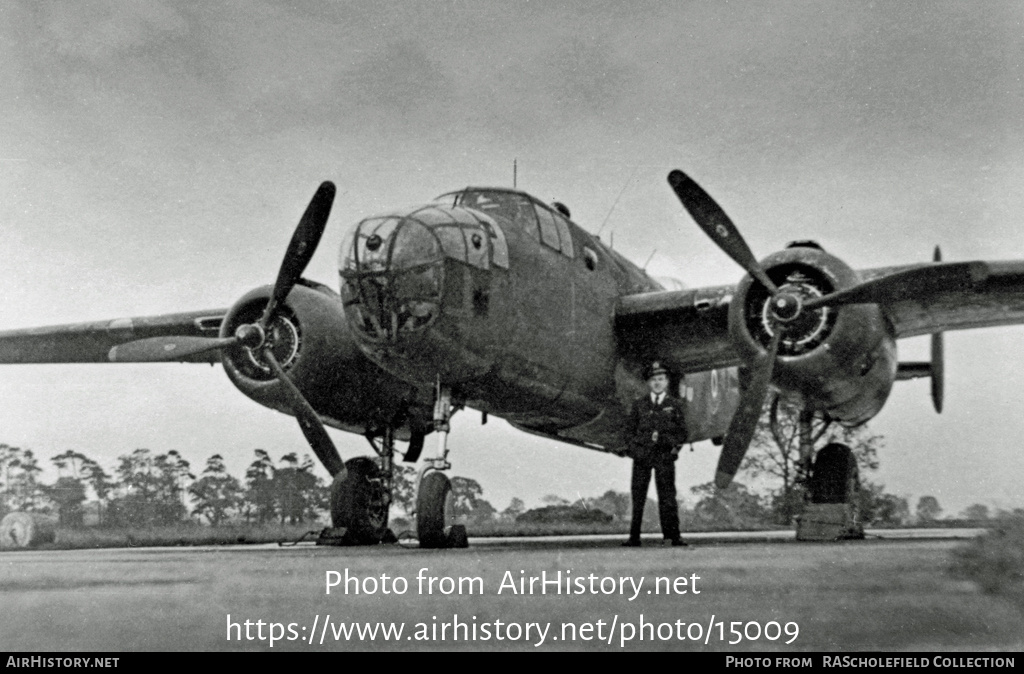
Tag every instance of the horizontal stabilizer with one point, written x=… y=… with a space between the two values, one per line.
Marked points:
x=916 y=370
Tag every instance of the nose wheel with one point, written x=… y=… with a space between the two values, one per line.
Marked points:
x=435 y=517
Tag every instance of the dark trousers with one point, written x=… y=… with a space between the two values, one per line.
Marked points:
x=665 y=483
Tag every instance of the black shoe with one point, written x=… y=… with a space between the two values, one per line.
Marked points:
x=677 y=543
x=632 y=543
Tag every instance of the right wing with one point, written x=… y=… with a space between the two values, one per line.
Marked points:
x=97 y=342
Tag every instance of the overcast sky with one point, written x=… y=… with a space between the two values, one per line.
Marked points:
x=155 y=157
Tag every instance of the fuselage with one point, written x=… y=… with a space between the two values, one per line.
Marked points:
x=502 y=298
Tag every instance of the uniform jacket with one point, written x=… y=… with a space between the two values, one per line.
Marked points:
x=645 y=417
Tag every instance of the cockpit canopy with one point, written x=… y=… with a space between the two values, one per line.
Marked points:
x=540 y=221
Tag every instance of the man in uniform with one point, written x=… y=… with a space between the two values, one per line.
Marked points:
x=654 y=433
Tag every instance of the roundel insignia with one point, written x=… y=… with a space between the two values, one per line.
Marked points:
x=723 y=231
x=716 y=397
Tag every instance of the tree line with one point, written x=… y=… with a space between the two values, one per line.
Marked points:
x=150 y=489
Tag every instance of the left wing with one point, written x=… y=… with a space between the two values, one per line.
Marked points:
x=996 y=297
x=98 y=342
x=691 y=327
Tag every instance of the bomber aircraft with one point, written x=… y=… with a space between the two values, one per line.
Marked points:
x=488 y=298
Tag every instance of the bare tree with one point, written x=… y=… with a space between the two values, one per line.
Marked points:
x=775 y=453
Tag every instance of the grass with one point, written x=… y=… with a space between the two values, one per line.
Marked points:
x=995 y=561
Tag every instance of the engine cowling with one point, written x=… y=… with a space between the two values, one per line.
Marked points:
x=311 y=340
x=838 y=360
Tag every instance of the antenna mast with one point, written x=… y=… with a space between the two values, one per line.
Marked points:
x=515 y=172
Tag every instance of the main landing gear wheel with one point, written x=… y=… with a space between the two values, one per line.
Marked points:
x=835 y=476
x=359 y=502
x=435 y=514
x=832 y=514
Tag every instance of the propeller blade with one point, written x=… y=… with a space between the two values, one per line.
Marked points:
x=165 y=349
x=710 y=217
x=938 y=361
x=301 y=248
x=918 y=283
x=744 y=421
x=309 y=420
x=937 y=372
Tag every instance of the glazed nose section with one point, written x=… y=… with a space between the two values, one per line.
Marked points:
x=385 y=244
x=413 y=245
x=391 y=277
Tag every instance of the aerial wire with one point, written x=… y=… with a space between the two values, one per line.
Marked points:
x=616 y=202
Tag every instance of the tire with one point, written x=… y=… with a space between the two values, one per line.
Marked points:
x=433 y=510
x=359 y=504
x=835 y=476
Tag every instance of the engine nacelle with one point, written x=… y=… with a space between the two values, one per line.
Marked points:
x=311 y=340
x=839 y=360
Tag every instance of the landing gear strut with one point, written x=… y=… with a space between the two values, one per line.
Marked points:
x=435 y=526
x=361 y=497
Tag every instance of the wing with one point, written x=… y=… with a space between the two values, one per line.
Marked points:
x=97 y=342
x=995 y=297
x=691 y=327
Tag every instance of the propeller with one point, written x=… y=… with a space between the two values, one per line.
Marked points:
x=309 y=420
x=744 y=420
x=710 y=217
x=300 y=249
x=916 y=283
x=254 y=335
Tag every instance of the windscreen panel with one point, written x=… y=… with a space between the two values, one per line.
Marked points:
x=548 y=229
x=513 y=208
